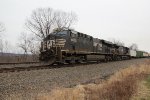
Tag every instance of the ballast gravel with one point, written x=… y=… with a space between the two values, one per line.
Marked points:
x=26 y=85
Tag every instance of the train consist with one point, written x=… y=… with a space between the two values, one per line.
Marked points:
x=138 y=54
x=69 y=46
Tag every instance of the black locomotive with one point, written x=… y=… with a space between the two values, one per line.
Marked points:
x=69 y=46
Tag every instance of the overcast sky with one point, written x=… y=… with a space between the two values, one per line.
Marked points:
x=125 y=20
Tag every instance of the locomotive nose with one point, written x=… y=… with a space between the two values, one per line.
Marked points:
x=47 y=55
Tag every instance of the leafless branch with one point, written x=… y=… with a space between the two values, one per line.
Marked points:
x=24 y=43
x=44 y=20
x=118 y=42
x=1 y=45
x=2 y=28
x=134 y=46
x=64 y=19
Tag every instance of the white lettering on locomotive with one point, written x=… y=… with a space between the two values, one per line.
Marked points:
x=57 y=43
x=74 y=40
x=50 y=43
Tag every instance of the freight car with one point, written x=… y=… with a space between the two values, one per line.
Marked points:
x=69 y=46
x=138 y=54
x=133 y=53
x=145 y=54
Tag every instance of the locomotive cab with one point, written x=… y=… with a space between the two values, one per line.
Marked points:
x=66 y=46
x=52 y=45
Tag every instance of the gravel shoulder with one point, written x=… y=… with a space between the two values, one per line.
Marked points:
x=30 y=83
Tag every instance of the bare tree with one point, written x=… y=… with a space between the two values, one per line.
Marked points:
x=29 y=45
x=34 y=49
x=1 y=45
x=34 y=45
x=24 y=43
x=44 y=20
x=118 y=42
x=134 y=46
x=41 y=22
x=64 y=20
x=7 y=46
x=2 y=28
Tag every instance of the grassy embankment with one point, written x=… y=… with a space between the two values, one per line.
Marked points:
x=130 y=83
x=148 y=87
x=143 y=90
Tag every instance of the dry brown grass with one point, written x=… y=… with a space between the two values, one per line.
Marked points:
x=143 y=92
x=121 y=86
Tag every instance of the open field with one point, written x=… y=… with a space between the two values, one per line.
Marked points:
x=29 y=84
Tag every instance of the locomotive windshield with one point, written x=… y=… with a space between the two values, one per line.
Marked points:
x=61 y=33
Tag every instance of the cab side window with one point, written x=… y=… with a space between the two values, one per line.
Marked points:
x=73 y=35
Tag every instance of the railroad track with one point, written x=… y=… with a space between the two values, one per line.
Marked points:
x=39 y=67
x=12 y=63
x=18 y=69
